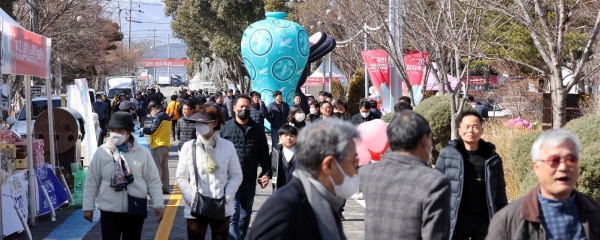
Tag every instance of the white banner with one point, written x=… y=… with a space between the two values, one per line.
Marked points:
x=78 y=99
x=15 y=186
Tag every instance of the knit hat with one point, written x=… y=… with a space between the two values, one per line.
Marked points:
x=121 y=120
x=126 y=105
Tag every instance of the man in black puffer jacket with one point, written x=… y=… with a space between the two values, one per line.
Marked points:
x=477 y=179
x=259 y=111
x=252 y=148
x=186 y=131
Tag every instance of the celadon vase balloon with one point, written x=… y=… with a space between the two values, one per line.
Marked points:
x=275 y=52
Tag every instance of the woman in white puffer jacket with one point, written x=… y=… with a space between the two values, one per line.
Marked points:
x=219 y=172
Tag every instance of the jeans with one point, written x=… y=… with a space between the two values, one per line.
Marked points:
x=274 y=137
x=114 y=225
x=240 y=220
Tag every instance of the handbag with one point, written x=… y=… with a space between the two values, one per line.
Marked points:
x=207 y=207
x=138 y=207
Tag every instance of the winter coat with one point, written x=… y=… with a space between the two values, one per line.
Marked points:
x=358 y=119
x=451 y=163
x=141 y=106
x=521 y=219
x=172 y=108
x=223 y=183
x=223 y=110
x=259 y=115
x=185 y=131
x=97 y=182
x=275 y=117
x=101 y=109
x=228 y=101
x=160 y=132
x=251 y=146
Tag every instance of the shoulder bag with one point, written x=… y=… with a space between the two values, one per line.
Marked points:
x=204 y=206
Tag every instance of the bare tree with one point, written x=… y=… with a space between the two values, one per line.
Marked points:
x=549 y=23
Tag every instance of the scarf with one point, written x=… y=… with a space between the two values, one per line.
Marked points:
x=121 y=175
x=211 y=165
x=323 y=203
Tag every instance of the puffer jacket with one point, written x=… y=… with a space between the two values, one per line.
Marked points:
x=160 y=132
x=251 y=146
x=275 y=117
x=223 y=183
x=275 y=158
x=450 y=163
x=185 y=131
x=259 y=114
x=146 y=180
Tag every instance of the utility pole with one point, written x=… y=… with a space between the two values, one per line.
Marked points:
x=130 y=19
x=168 y=56
x=154 y=48
x=119 y=6
x=35 y=28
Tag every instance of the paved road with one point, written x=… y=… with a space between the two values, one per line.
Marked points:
x=71 y=225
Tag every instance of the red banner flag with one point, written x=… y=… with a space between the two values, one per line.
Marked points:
x=24 y=52
x=166 y=63
x=415 y=67
x=377 y=66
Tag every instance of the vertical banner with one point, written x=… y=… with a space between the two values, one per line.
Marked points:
x=56 y=192
x=78 y=99
x=415 y=67
x=378 y=68
x=24 y=52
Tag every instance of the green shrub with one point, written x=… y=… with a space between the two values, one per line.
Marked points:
x=437 y=112
x=356 y=91
x=386 y=118
x=586 y=129
x=519 y=156
x=589 y=171
x=337 y=90
x=529 y=182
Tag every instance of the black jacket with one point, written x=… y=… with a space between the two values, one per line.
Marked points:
x=258 y=114
x=358 y=119
x=289 y=216
x=223 y=110
x=185 y=131
x=160 y=116
x=251 y=146
x=451 y=163
x=275 y=117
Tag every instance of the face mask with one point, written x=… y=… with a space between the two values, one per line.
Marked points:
x=99 y=100
x=365 y=115
x=348 y=187
x=300 y=117
x=313 y=111
x=309 y=101
x=329 y=99
x=116 y=138
x=202 y=129
x=243 y=114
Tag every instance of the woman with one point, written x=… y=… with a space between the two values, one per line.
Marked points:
x=121 y=169
x=341 y=112
x=186 y=130
x=219 y=172
x=314 y=113
x=326 y=111
x=113 y=103
x=173 y=112
x=297 y=117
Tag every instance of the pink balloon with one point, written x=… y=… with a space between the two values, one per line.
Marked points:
x=518 y=119
x=511 y=122
x=373 y=134
x=526 y=122
x=364 y=156
x=530 y=126
x=519 y=125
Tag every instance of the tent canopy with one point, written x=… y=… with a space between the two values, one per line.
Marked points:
x=5 y=17
x=316 y=78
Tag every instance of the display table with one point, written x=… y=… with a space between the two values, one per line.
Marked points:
x=14 y=192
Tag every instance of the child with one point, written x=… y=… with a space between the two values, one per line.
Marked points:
x=283 y=160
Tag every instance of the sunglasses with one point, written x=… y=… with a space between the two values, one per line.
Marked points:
x=554 y=161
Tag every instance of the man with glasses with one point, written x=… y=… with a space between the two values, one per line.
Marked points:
x=553 y=209
x=326 y=111
x=475 y=171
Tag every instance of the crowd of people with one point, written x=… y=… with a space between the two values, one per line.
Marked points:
x=313 y=168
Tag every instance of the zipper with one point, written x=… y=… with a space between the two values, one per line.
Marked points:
x=488 y=191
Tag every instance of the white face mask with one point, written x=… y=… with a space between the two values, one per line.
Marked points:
x=313 y=111
x=116 y=138
x=99 y=100
x=348 y=187
x=202 y=129
x=364 y=114
x=329 y=99
x=300 y=117
x=309 y=101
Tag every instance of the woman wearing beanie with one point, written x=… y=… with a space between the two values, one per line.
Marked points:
x=208 y=175
x=121 y=175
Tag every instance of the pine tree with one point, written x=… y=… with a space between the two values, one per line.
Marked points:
x=356 y=91
x=337 y=90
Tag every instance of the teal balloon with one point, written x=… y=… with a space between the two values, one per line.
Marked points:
x=275 y=52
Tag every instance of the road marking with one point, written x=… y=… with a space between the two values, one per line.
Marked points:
x=75 y=227
x=164 y=229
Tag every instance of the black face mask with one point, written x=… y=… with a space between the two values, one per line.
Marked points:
x=243 y=114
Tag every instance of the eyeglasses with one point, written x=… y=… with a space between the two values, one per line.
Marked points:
x=554 y=161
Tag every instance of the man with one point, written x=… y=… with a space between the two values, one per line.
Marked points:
x=374 y=109
x=325 y=175
x=201 y=98
x=322 y=96
x=228 y=100
x=152 y=96
x=218 y=99
x=283 y=160
x=186 y=130
x=161 y=97
x=405 y=99
x=101 y=109
x=419 y=207
x=553 y=209
x=160 y=141
x=258 y=111
x=277 y=115
x=122 y=98
x=402 y=105
x=298 y=102
x=311 y=99
x=365 y=114
x=237 y=93
x=483 y=112
x=252 y=148
x=475 y=171
x=141 y=105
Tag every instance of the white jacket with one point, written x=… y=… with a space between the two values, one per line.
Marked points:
x=224 y=182
x=146 y=180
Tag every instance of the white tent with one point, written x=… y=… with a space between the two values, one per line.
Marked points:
x=316 y=78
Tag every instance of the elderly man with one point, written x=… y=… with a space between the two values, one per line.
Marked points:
x=553 y=209
x=160 y=141
x=325 y=175
x=405 y=198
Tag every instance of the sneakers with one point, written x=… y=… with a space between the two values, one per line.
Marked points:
x=360 y=196
x=141 y=134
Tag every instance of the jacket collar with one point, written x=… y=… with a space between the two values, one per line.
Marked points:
x=530 y=210
x=486 y=147
x=403 y=158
